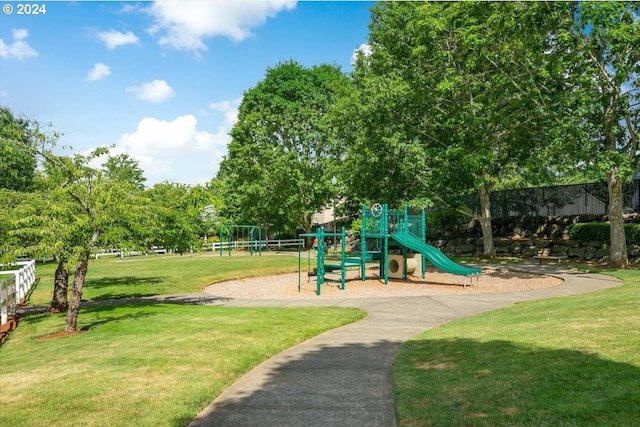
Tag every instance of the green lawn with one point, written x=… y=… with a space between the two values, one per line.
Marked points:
x=561 y=362
x=164 y=274
x=146 y=364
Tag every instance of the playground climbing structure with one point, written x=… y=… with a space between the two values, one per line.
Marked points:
x=380 y=225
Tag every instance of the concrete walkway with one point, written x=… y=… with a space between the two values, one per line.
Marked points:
x=344 y=376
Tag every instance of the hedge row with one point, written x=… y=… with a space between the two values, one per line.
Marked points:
x=600 y=231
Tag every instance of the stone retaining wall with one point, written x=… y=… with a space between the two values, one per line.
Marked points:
x=530 y=236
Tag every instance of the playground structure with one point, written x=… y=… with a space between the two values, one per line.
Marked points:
x=380 y=225
x=255 y=238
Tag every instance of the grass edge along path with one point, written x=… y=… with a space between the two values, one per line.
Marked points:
x=146 y=364
x=569 y=361
x=143 y=364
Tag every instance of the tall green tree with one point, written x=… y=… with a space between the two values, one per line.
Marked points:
x=10 y=200
x=43 y=224
x=605 y=80
x=100 y=204
x=457 y=98
x=124 y=168
x=180 y=218
x=72 y=210
x=283 y=152
x=17 y=162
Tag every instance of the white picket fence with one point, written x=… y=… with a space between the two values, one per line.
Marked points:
x=237 y=245
x=121 y=254
x=14 y=290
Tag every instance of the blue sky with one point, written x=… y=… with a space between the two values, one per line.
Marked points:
x=162 y=80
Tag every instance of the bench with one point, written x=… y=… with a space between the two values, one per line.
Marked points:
x=557 y=259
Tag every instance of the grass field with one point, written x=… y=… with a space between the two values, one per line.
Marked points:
x=146 y=364
x=561 y=362
x=110 y=278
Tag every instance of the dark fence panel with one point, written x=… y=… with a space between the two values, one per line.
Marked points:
x=575 y=199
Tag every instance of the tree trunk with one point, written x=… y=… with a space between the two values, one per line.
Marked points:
x=60 y=285
x=78 y=284
x=485 y=222
x=76 y=296
x=618 y=252
x=308 y=228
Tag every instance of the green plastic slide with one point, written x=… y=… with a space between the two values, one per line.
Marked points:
x=433 y=255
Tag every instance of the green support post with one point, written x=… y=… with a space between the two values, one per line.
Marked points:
x=342 y=260
x=404 y=264
x=259 y=242
x=229 y=236
x=405 y=215
x=299 y=265
x=424 y=240
x=308 y=259
x=320 y=261
x=384 y=225
x=363 y=243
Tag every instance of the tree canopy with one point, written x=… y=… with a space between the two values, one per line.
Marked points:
x=178 y=220
x=283 y=153
x=125 y=169
x=605 y=83
x=17 y=162
x=455 y=98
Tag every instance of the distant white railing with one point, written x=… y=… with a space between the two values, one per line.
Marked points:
x=121 y=254
x=15 y=289
x=246 y=244
x=237 y=245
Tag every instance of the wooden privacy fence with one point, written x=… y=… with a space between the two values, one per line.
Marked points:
x=14 y=289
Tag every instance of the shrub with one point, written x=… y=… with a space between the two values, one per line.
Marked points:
x=600 y=231
x=632 y=233
x=590 y=231
x=356 y=226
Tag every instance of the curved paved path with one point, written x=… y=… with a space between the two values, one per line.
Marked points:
x=343 y=377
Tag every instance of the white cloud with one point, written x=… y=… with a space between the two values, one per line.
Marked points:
x=229 y=109
x=364 y=49
x=155 y=91
x=19 y=49
x=161 y=138
x=98 y=72
x=162 y=146
x=20 y=33
x=113 y=38
x=184 y=24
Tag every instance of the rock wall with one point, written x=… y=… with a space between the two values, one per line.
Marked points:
x=530 y=236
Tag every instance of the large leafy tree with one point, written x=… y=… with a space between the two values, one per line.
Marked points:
x=43 y=226
x=606 y=55
x=92 y=211
x=283 y=152
x=17 y=162
x=124 y=168
x=456 y=98
x=72 y=210
x=180 y=216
